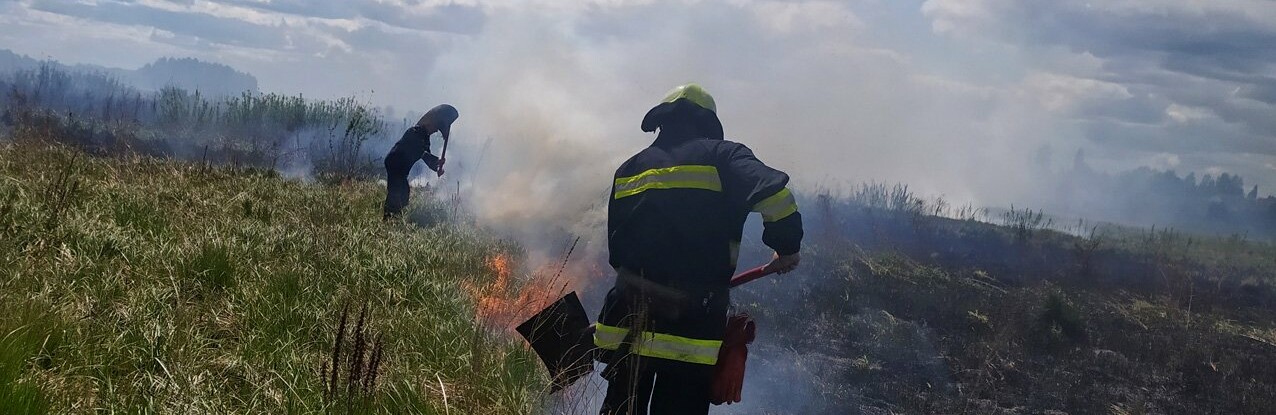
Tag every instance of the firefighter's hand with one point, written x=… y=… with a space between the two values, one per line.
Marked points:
x=440 y=169
x=783 y=264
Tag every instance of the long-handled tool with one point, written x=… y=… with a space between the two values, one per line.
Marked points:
x=750 y=275
x=443 y=156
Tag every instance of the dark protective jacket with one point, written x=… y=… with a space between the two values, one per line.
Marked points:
x=413 y=146
x=675 y=220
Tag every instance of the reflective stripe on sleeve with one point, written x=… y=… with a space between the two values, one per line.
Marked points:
x=777 y=206
x=659 y=345
x=676 y=177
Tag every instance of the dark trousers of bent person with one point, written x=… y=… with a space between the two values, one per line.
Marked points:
x=397 y=188
x=663 y=387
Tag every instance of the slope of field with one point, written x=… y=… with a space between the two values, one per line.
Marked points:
x=137 y=285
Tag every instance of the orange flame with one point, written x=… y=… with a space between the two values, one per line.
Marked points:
x=506 y=303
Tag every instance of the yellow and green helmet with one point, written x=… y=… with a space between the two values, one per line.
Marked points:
x=694 y=93
x=688 y=103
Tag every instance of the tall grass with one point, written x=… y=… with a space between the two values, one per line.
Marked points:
x=161 y=286
x=265 y=130
x=1025 y=223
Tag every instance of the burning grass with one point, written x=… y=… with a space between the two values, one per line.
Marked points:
x=507 y=300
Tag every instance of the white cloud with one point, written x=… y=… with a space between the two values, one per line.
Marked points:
x=1165 y=161
x=1141 y=76
x=787 y=16
x=1184 y=114
x=1064 y=93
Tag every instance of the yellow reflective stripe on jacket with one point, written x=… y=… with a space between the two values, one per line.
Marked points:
x=676 y=177
x=777 y=206
x=660 y=345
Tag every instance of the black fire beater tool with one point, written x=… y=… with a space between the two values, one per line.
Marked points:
x=562 y=336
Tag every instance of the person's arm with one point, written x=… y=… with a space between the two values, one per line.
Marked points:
x=433 y=162
x=765 y=191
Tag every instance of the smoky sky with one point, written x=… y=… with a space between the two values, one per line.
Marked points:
x=956 y=97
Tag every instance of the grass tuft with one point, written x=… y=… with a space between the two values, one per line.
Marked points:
x=213 y=267
x=28 y=341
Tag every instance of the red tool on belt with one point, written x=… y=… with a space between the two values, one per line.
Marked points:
x=728 y=374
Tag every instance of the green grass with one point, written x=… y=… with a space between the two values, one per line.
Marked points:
x=139 y=285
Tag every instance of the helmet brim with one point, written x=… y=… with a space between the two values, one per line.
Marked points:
x=707 y=120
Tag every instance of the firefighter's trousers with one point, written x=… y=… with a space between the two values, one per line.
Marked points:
x=664 y=387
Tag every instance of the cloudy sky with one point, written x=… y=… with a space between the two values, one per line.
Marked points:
x=955 y=97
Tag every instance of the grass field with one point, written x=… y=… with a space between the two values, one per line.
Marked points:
x=131 y=284
x=135 y=285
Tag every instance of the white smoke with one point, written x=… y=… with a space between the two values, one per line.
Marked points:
x=560 y=94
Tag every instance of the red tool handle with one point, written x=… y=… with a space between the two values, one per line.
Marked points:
x=750 y=275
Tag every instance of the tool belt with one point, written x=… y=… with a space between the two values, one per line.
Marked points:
x=663 y=302
x=647 y=299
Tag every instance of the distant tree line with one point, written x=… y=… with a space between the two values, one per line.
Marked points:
x=211 y=79
x=327 y=139
x=186 y=73
x=1211 y=204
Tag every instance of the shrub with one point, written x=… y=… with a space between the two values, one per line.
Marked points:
x=1058 y=324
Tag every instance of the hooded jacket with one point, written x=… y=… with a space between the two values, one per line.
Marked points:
x=412 y=146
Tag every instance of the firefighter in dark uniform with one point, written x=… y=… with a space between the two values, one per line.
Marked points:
x=413 y=146
x=674 y=224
